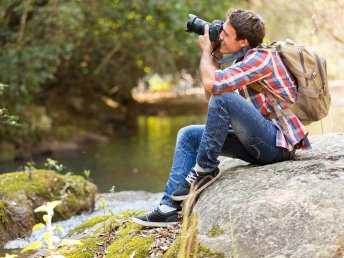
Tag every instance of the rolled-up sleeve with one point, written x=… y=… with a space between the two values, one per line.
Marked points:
x=256 y=65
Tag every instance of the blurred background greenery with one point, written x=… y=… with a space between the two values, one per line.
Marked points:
x=71 y=66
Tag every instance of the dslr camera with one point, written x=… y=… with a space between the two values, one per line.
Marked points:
x=196 y=25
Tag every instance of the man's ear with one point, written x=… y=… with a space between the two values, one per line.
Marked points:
x=244 y=43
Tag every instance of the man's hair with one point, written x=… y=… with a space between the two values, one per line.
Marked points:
x=248 y=25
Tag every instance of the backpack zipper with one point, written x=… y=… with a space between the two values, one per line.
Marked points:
x=303 y=63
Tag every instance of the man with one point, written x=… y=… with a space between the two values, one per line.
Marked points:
x=237 y=125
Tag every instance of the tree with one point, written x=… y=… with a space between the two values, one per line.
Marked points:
x=70 y=55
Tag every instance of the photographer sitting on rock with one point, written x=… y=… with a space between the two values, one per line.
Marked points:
x=237 y=125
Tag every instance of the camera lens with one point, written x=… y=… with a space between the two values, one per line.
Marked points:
x=195 y=25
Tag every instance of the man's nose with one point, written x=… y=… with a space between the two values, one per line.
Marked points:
x=221 y=36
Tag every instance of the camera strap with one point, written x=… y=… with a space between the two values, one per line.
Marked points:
x=237 y=55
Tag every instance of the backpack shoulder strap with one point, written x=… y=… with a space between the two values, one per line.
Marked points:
x=278 y=112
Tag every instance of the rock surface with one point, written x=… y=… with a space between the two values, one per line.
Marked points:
x=289 y=209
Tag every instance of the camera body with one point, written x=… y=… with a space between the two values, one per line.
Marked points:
x=196 y=25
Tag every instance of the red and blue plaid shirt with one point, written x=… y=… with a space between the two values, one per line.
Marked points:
x=265 y=65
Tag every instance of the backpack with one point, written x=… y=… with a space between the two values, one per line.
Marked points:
x=310 y=71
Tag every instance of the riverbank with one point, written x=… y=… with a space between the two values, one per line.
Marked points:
x=105 y=205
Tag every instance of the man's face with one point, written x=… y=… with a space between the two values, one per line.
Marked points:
x=229 y=44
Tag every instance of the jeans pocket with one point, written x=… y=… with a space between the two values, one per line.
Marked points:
x=260 y=150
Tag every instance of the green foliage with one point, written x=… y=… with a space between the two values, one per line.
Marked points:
x=81 y=52
x=102 y=205
x=54 y=164
x=5 y=117
x=35 y=37
x=87 y=173
x=86 y=41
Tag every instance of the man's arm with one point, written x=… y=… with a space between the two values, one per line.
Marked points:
x=207 y=64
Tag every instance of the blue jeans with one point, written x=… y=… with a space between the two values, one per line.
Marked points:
x=234 y=128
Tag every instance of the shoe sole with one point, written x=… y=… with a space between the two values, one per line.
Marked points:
x=193 y=194
x=153 y=224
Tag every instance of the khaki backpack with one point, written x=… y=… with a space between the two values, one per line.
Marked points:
x=313 y=97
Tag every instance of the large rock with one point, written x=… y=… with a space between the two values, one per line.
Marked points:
x=21 y=193
x=287 y=209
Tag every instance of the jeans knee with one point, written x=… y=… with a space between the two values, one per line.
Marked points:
x=190 y=136
x=220 y=100
x=183 y=133
x=215 y=100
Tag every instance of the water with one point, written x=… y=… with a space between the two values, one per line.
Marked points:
x=137 y=159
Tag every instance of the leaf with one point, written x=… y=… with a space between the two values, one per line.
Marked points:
x=42 y=208
x=71 y=242
x=53 y=204
x=59 y=228
x=32 y=246
x=46 y=218
x=38 y=226
x=47 y=238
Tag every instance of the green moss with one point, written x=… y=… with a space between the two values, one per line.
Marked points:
x=174 y=249
x=216 y=231
x=198 y=251
x=3 y=216
x=88 y=224
x=44 y=185
x=127 y=243
x=207 y=253
x=90 y=246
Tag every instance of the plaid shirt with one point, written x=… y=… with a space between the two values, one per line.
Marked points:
x=265 y=65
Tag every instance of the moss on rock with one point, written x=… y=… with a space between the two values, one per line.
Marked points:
x=3 y=216
x=198 y=251
x=216 y=231
x=88 y=248
x=21 y=193
x=88 y=224
x=117 y=237
x=128 y=243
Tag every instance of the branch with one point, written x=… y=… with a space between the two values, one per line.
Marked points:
x=22 y=24
x=106 y=60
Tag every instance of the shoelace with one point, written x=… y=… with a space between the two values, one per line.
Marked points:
x=192 y=176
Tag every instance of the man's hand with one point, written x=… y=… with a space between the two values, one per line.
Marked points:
x=204 y=42
x=207 y=64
